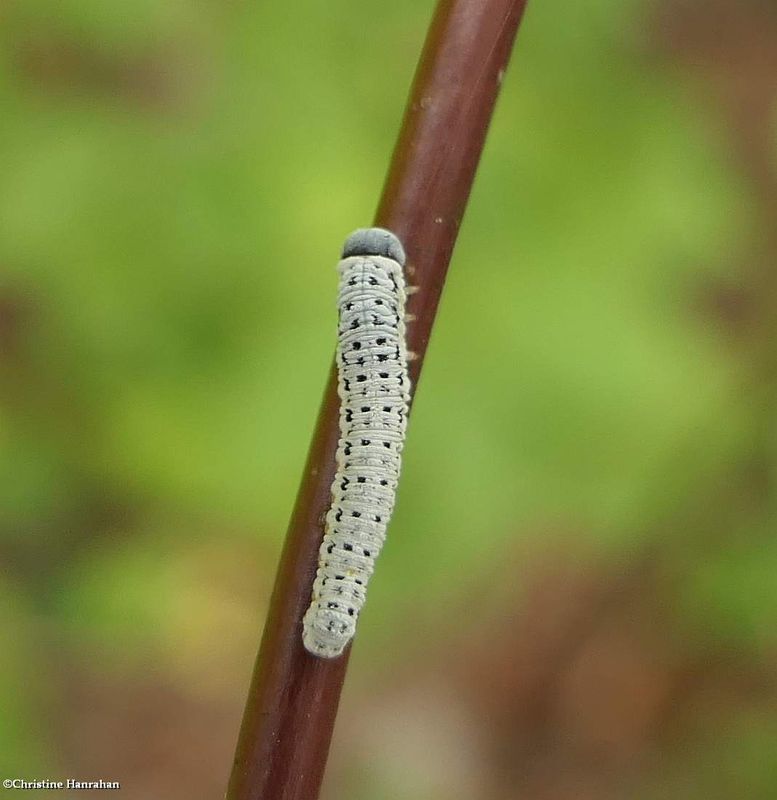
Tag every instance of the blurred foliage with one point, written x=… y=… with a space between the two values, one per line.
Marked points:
x=177 y=180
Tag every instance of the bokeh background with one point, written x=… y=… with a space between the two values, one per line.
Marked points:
x=578 y=599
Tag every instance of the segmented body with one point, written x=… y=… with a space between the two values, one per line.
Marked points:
x=374 y=394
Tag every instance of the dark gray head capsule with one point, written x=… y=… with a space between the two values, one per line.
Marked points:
x=374 y=242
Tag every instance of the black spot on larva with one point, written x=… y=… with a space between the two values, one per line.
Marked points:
x=387 y=409
x=361 y=479
x=382 y=357
x=356 y=514
x=365 y=409
x=367 y=553
x=361 y=378
x=339 y=515
x=357 y=345
x=347 y=546
x=351 y=612
x=387 y=444
x=380 y=341
x=333 y=605
x=383 y=374
x=366 y=442
x=354 y=324
x=384 y=482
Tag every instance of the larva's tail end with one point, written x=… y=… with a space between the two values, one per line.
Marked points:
x=326 y=635
x=374 y=242
x=320 y=649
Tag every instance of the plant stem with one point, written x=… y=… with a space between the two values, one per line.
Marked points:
x=292 y=703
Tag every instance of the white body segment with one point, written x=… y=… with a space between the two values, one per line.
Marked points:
x=373 y=385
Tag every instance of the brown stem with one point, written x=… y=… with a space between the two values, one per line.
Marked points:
x=292 y=702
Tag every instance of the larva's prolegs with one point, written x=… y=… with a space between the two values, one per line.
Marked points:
x=374 y=394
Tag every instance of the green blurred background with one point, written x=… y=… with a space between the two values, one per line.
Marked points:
x=578 y=599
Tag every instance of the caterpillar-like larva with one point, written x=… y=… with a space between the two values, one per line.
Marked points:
x=374 y=391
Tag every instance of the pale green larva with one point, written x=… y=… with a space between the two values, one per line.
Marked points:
x=374 y=391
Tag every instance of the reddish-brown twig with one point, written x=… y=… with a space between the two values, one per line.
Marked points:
x=292 y=702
